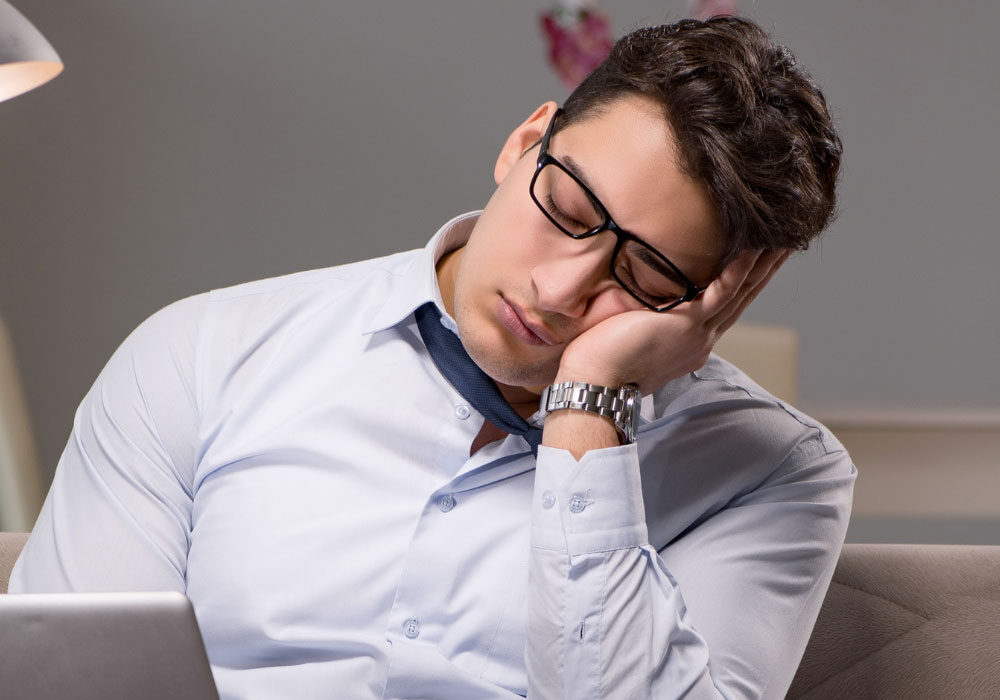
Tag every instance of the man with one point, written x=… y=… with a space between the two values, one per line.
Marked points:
x=308 y=457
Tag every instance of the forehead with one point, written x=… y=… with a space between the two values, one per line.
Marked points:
x=627 y=154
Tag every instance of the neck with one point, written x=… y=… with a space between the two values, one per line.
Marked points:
x=524 y=400
x=447 y=270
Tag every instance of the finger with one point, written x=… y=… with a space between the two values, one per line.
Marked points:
x=727 y=285
x=767 y=267
x=739 y=277
x=767 y=264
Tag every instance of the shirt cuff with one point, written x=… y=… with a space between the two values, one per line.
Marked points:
x=594 y=505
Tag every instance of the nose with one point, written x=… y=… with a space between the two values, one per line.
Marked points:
x=574 y=274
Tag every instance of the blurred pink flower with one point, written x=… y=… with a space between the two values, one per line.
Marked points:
x=579 y=39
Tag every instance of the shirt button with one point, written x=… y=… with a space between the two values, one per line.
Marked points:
x=577 y=504
x=411 y=628
x=446 y=503
x=462 y=412
x=548 y=500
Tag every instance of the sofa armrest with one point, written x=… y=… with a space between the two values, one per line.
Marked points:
x=906 y=621
x=11 y=544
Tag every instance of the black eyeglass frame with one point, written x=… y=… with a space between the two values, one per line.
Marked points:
x=545 y=158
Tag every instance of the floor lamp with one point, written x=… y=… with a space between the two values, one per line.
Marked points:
x=26 y=61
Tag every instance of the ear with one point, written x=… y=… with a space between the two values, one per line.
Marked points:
x=523 y=138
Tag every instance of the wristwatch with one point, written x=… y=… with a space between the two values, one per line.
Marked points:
x=620 y=405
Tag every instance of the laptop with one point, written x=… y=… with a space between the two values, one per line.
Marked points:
x=83 y=646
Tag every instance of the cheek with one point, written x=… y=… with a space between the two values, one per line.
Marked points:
x=611 y=302
x=516 y=247
x=513 y=221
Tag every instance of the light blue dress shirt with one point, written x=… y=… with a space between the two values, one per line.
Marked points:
x=286 y=453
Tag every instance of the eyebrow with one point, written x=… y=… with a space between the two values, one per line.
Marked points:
x=574 y=167
x=646 y=255
x=570 y=164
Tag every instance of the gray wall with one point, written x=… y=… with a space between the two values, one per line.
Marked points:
x=193 y=144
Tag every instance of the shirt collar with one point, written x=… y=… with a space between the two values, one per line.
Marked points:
x=418 y=283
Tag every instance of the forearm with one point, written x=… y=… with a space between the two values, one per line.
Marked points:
x=603 y=615
x=724 y=610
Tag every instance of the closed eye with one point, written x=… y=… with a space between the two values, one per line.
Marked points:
x=564 y=219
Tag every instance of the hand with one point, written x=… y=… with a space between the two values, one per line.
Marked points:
x=651 y=349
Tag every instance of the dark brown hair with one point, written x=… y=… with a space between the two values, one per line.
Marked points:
x=750 y=124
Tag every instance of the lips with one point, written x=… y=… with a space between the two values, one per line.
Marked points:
x=520 y=324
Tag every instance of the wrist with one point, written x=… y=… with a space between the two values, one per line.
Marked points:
x=589 y=375
x=615 y=406
x=579 y=432
x=578 y=365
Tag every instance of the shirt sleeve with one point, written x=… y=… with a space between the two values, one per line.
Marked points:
x=724 y=611
x=118 y=513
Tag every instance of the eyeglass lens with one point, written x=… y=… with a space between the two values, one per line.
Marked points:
x=638 y=268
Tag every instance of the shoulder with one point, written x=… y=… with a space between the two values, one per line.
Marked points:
x=248 y=312
x=715 y=439
x=722 y=431
x=314 y=285
x=194 y=337
x=250 y=303
x=723 y=398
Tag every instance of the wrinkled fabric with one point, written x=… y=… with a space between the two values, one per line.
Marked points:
x=286 y=454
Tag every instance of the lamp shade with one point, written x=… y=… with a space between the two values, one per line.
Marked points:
x=26 y=59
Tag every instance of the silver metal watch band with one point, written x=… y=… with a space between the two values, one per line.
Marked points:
x=620 y=405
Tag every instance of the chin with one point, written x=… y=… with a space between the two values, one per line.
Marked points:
x=503 y=365
x=527 y=377
x=504 y=358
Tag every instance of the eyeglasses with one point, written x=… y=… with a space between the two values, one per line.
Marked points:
x=640 y=269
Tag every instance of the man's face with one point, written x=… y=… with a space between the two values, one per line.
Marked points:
x=521 y=290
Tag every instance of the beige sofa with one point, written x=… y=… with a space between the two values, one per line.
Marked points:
x=899 y=621
x=914 y=622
